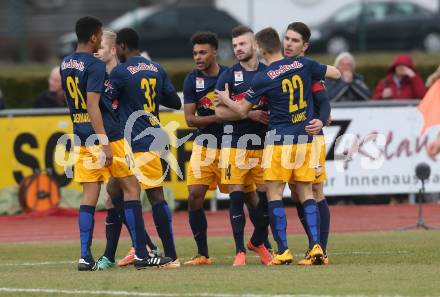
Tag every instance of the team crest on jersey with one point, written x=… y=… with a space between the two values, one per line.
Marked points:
x=238 y=76
x=200 y=83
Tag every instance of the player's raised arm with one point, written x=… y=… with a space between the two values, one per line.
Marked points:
x=332 y=72
x=227 y=114
x=239 y=107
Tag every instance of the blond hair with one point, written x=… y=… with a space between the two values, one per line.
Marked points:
x=110 y=37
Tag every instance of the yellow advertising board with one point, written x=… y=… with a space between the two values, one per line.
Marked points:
x=29 y=143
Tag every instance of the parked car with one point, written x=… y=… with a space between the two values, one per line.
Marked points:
x=165 y=31
x=378 y=25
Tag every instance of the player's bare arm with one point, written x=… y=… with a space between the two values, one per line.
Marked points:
x=97 y=124
x=240 y=107
x=226 y=114
x=192 y=120
x=332 y=72
x=260 y=116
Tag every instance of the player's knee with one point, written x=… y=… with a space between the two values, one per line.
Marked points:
x=251 y=199
x=195 y=200
x=155 y=195
x=261 y=188
x=318 y=191
x=113 y=188
x=108 y=203
x=130 y=188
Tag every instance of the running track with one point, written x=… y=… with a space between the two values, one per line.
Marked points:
x=61 y=224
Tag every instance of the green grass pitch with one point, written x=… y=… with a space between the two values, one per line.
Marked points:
x=362 y=264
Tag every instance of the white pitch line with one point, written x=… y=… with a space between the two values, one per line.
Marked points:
x=38 y=263
x=152 y=294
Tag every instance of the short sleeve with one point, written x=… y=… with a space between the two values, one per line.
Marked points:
x=96 y=77
x=318 y=70
x=257 y=90
x=189 y=90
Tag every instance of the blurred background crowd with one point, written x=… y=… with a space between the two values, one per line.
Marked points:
x=386 y=49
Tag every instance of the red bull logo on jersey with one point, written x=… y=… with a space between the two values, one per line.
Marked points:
x=238 y=97
x=283 y=69
x=72 y=64
x=207 y=101
x=142 y=67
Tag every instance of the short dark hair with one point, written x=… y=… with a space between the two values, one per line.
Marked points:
x=86 y=27
x=129 y=37
x=269 y=40
x=302 y=29
x=205 y=38
x=241 y=30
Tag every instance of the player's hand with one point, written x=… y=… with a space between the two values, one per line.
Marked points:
x=221 y=96
x=107 y=150
x=217 y=102
x=314 y=127
x=260 y=116
x=433 y=149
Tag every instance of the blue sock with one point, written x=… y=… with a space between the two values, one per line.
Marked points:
x=261 y=222
x=237 y=219
x=86 y=223
x=324 y=217
x=199 y=227
x=113 y=226
x=163 y=221
x=311 y=216
x=300 y=211
x=118 y=203
x=135 y=222
x=278 y=224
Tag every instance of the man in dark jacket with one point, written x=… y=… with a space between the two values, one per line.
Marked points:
x=54 y=96
x=350 y=87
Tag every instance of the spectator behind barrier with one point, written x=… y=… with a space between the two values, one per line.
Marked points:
x=350 y=87
x=433 y=78
x=2 y=101
x=54 y=96
x=402 y=81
